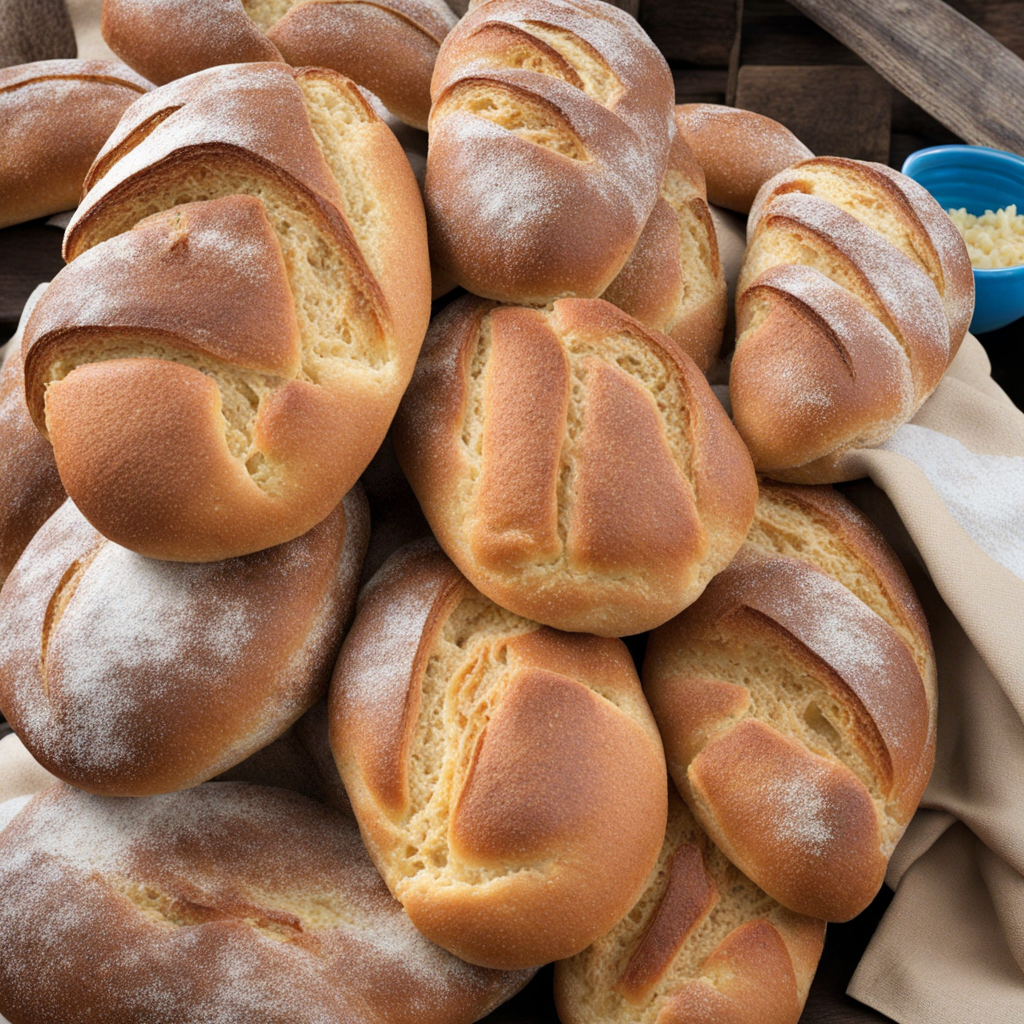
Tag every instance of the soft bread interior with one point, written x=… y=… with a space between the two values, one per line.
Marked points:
x=338 y=307
x=590 y=981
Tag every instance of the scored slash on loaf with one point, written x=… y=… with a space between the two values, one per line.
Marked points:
x=508 y=779
x=796 y=700
x=549 y=138
x=575 y=465
x=226 y=903
x=247 y=291
x=387 y=46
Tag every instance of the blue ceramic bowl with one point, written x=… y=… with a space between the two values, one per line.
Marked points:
x=978 y=179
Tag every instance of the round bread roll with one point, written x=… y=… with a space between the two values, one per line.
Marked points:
x=248 y=290
x=855 y=293
x=796 y=700
x=229 y=904
x=387 y=46
x=673 y=280
x=703 y=945
x=575 y=465
x=549 y=139
x=508 y=779
x=31 y=490
x=738 y=150
x=54 y=117
x=127 y=676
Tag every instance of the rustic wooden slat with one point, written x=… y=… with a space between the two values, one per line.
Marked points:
x=700 y=32
x=1003 y=19
x=701 y=85
x=836 y=111
x=34 y=30
x=790 y=39
x=943 y=61
x=29 y=255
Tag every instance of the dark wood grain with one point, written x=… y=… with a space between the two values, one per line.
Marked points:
x=836 y=111
x=789 y=38
x=939 y=58
x=29 y=255
x=701 y=32
x=35 y=30
x=701 y=85
x=1003 y=19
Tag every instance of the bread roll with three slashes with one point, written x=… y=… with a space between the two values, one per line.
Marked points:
x=508 y=779
x=229 y=904
x=575 y=465
x=855 y=293
x=703 y=945
x=128 y=676
x=549 y=138
x=248 y=290
x=796 y=700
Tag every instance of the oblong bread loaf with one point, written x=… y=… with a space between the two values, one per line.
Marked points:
x=549 y=135
x=703 y=943
x=388 y=46
x=855 y=293
x=249 y=275
x=796 y=700
x=128 y=676
x=31 y=490
x=574 y=464
x=508 y=779
x=55 y=116
x=228 y=903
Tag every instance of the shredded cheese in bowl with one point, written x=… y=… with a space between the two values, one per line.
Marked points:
x=996 y=239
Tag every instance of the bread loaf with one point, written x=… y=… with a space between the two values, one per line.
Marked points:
x=796 y=700
x=738 y=150
x=673 y=280
x=31 y=490
x=575 y=465
x=855 y=293
x=229 y=903
x=703 y=944
x=249 y=278
x=54 y=117
x=549 y=135
x=508 y=779
x=388 y=46
x=128 y=676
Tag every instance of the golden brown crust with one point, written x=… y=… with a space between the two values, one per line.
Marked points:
x=806 y=771
x=673 y=280
x=738 y=150
x=54 y=117
x=574 y=464
x=702 y=944
x=261 y=386
x=251 y=903
x=550 y=130
x=853 y=298
x=387 y=46
x=31 y=491
x=127 y=677
x=507 y=778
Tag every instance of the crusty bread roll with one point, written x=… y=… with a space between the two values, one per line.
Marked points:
x=549 y=135
x=796 y=700
x=738 y=150
x=388 y=46
x=575 y=465
x=54 y=117
x=249 y=279
x=508 y=779
x=229 y=903
x=673 y=280
x=30 y=487
x=127 y=676
x=703 y=945
x=855 y=293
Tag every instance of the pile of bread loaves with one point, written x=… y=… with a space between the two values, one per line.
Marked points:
x=436 y=767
